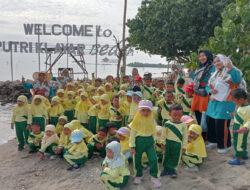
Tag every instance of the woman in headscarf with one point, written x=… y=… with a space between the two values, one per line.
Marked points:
x=201 y=77
x=219 y=111
x=115 y=173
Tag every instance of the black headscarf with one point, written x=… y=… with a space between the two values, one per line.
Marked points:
x=203 y=69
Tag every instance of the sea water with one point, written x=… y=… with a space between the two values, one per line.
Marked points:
x=6 y=133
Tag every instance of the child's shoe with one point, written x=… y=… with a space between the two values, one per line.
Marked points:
x=224 y=150
x=74 y=167
x=52 y=157
x=46 y=154
x=144 y=170
x=164 y=172
x=244 y=158
x=20 y=148
x=137 y=180
x=211 y=145
x=156 y=181
x=192 y=169
x=236 y=162
x=173 y=174
x=32 y=151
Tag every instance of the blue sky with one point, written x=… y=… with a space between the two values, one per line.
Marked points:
x=13 y=13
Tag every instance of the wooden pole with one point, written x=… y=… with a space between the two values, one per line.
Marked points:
x=11 y=63
x=96 y=55
x=123 y=34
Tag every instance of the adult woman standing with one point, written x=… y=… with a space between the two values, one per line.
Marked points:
x=201 y=77
x=220 y=108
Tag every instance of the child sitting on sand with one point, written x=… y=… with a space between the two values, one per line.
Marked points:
x=97 y=142
x=142 y=135
x=35 y=137
x=241 y=126
x=78 y=154
x=21 y=117
x=49 y=143
x=196 y=150
x=115 y=173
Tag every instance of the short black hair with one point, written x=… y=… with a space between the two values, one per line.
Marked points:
x=109 y=76
x=116 y=96
x=136 y=88
x=125 y=76
x=111 y=125
x=111 y=139
x=176 y=107
x=98 y=80
x=160 y=80
x=239 y=93
x=170 y=82
x=36 y=124
x=180 y=81
x=103 y=129
x=168 y=92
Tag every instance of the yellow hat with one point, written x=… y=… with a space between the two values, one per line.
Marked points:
x=56 y=99
x=63 y=117
x=105 y=97
x=195 y=128
x=23 y=99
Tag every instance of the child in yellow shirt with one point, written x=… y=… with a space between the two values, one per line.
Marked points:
x=21 y=118
x=62 y=120
x=35 y=137
x=78 y=154
x=55 y=111
x=69 y=105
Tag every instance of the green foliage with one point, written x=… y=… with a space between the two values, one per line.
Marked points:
x=174 y=28
x=233 y=37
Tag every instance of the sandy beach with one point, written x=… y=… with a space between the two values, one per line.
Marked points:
x=24 y=171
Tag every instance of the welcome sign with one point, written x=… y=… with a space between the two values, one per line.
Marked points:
x=63 y=30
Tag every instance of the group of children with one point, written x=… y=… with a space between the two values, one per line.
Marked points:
x=145 y=124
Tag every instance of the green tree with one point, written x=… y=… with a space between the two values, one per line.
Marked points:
x=233 y=37
x=174 y=28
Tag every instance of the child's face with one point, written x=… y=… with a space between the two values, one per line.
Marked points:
x=104 y=102
x=60 y=94
x=37 y=101
x=92 y=92
x=169 y=87
x=124 y=88
x=136 y=98
x=109 y=153
x=20 y=103
x=110 y=79
x=49 y=133
x=147 y=82
x=238 y=102
x=108 y=88
x=180 y=85
x=125 y=79
x=117 y=79
x=101 y=135
x=97 y=84
x=100 y=92
x=112 y=131
x=35 y=129
x=54 y=103
x=137 y=82
x=70 y=96
x=176 y=115
x=93 y=101
x=192 y=135
x=161 y=85
x=189 y=94
x=61 y=121
x=115 y=102
x=83 y=98
x=66 y=131
x=145 y=112
x=121 y=137
x=169 y=97
x=70 y=87
x=129 y=99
